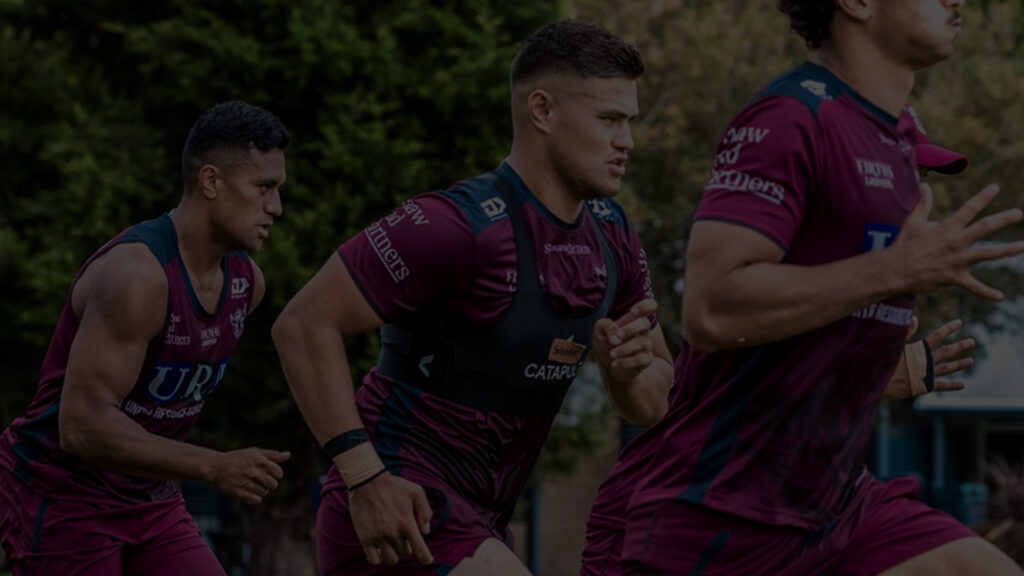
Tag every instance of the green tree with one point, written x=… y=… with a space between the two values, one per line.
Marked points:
x=384 y=99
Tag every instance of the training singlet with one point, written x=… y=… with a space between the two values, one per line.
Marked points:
x=184 y=363
x=778 y=433
x=449 y=258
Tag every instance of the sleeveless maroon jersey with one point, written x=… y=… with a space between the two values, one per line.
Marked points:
x=184 y=363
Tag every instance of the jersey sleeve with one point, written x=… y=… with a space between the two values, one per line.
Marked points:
x=634 y=276
x=764 y=169
x=417 y=254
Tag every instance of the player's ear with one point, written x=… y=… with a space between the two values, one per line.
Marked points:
x=860 y=10
x=540 y=108
x=209 y=181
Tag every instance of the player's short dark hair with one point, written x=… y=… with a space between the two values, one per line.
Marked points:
x=577 y=48
x=229 y=126
x=811 y=19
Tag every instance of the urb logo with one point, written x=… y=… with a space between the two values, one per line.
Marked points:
x=878 y=236
x=188 y=383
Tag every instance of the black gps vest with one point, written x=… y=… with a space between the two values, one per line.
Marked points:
x=523 y=363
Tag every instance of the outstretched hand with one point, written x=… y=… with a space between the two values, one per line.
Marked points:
x=944 y=359
x=941 y=253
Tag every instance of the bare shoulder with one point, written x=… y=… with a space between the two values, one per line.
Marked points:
x=126 y=287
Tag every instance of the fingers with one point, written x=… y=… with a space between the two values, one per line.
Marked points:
x=947 y=368
x=973 y=206
x=641 y=309
x=943 y=332
x=991 y=223
x=978 y=287
x=277 y=457
x=630 y=330
x=997 y=251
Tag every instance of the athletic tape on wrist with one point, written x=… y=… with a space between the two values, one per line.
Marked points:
x=344 y=442
x=359 y=465
x=920 y=372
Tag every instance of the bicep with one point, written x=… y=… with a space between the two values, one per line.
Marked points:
x=718 y=249
x=123 y=303
x=332 y=298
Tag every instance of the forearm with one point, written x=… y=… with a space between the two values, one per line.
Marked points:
x=317 y=370
x=644 y=399
x=109 y=438
x=765 y=302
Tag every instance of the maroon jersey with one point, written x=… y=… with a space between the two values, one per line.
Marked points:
x=778 y=433
x=450 y=258
x=183 y=364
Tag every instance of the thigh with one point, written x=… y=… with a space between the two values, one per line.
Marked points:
x=41 y=536
x=456 y=532
x=673 y=538
x=965 y=557
x=602 y=555
x=491 y=558
x=172 y=546
x=887 y=526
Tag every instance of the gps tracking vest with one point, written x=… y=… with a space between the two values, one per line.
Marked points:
x=523 y=363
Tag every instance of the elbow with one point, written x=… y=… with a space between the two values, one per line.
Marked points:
x=650 y=415
x=284 y=330
x=704 y=332
x=73 y=438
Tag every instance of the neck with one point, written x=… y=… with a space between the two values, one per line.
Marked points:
x=863 y=67
x=200 y=252
x=534 y=167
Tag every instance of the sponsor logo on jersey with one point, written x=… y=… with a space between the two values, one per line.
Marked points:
x=600 y=208
x=239 y=286
x=568 y=249
x=551 y=372
x=729 y=156
x=184 y=382
x=878 y=236
x=895 y=315
x=381 y=244
x=745 y=135
x=819 y=89
x=876 y=174
x=737 y=181
x=238 y=321
x=494 y=208
x=172 y=339
x=566 y=351
x=209 y=336
x=409 y=209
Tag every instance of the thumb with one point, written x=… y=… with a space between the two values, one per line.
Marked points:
x=914 y=322
x=276 y=456
x=924 y=205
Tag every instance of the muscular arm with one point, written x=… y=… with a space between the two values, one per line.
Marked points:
x=739 y=293
x=390 y=515
x=308 y=335
x=635 y=364
x=121 y=302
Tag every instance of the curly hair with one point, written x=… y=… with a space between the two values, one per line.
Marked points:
x=235 y=126
x=811 y=19
x=578 y=48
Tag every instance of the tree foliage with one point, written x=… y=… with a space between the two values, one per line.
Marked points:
x=706 y=59
x=383 y=99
